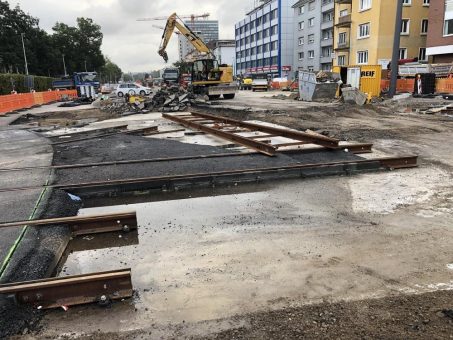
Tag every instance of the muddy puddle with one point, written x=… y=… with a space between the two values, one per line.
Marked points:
x=217 y=253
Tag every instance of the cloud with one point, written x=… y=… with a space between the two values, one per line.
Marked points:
x=131 y=44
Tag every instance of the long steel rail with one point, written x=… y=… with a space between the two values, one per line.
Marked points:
x=83 y=225
x=225 y=128
x=356 y=148
x=71 y=290
x=383 y=163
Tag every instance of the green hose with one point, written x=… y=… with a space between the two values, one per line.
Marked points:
x=24 y=229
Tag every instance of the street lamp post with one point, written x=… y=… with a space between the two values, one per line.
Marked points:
x=25 y=54
x=64 y=66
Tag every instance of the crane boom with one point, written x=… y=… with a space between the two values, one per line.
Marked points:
x=193 y=38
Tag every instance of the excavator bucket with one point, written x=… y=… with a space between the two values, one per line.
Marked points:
x=164 y=55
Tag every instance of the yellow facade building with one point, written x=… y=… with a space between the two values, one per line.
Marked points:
x=364 y=31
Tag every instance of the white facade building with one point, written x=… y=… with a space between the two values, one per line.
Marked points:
x=265 y=40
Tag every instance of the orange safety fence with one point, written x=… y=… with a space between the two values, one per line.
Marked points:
x=443 y=85
x=13 y=102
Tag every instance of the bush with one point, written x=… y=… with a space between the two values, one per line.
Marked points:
x=40 y=83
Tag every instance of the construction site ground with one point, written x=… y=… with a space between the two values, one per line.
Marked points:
x=339 y=257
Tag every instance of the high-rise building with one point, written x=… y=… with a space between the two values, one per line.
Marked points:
x=264 y=39
x=207 y=30
x=440 y=32
x=364 y=31
x=313 y=34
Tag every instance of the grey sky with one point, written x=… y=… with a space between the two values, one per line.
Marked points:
x=133 y=45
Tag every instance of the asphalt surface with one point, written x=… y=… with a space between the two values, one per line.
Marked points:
x=123 y=147
x=20 y=148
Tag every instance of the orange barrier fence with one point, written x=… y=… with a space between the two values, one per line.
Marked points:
x=13 y=102
x=443 y=85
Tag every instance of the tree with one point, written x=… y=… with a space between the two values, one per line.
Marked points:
x=110 y=72
x=184 y=67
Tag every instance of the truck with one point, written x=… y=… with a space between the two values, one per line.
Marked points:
x=76 y=80
x=170 y=75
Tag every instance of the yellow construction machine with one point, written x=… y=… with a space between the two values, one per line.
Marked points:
x=208 y=77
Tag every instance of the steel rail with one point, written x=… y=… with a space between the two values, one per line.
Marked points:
x=357 y=148
x=385 y=162
x=250 y=143
x=71 y=290
x=297 y=135
x=83 y=225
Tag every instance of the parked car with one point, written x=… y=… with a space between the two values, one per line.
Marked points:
x=260 y=84
x=132 y=89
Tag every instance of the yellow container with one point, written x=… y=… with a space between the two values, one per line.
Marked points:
x=370 y=78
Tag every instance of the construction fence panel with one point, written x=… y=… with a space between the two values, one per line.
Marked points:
x=13 y=102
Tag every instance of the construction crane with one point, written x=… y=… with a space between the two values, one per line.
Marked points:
x=208 y=77
x=192 y=17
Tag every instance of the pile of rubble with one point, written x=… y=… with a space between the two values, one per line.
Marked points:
x=166 y=100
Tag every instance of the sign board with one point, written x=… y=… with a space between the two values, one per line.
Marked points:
x=368 y=74
x=286 y=68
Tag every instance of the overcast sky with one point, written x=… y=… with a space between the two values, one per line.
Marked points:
x=133 y=45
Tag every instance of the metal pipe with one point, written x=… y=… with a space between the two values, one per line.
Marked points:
x=396 y=48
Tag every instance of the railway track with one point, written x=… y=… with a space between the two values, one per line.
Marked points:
x=257 y=174
x=66 y=291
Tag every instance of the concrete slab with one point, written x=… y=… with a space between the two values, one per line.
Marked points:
x=20 y=148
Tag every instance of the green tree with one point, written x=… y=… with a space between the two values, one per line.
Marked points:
x=110 y=72
x=183 y=66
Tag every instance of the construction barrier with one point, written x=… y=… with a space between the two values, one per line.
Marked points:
x=443 y=85
x=13 y=102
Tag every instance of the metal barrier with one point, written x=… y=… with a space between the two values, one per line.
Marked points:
x=13 y=102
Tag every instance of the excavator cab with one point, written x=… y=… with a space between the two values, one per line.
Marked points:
x=205 y=70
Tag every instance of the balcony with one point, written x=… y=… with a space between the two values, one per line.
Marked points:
x=341 y=46
x=343 y=2
x=344 y=21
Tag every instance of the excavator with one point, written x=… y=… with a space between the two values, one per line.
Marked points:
x=208 y=77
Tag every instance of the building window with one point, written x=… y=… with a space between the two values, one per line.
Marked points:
x=253 y=51
x=252 y=38
x=424 y=27
x=342 y=38
x=448 y=19
x=326 y=52
x=425 y=2
x=326 y=67
x=344 y=13
x=407 y=2
x=259 y=49
x=301 y=55
x=403 y=53
x=274 y=30
x=311 y=38
x=258 y=35
x=341 y=60
x=422 y=54
x=301 y=10
x=311 y=6
x=327 y=17
x=274 y=14
x=405 y=24
x=301 y=25
x=327 y=34
x=362 y=57
x=311 y=68
x=301 y=41
x=364 y=31
x=364 y=5
x=274 y=45
x=311 y=22
x=311 y=54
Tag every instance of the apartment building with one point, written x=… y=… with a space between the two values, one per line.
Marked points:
x=440 y=32
x=313 y=34
x=264 y=39
x=364 y=31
